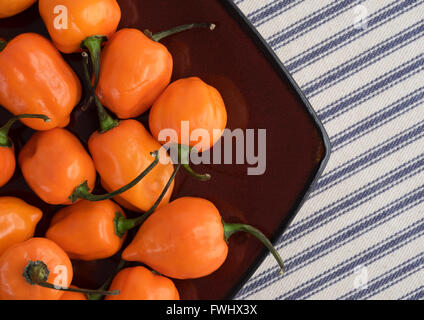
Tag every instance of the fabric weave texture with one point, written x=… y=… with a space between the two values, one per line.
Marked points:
x=360 y=234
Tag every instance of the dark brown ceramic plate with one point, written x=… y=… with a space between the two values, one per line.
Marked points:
x=259 y=94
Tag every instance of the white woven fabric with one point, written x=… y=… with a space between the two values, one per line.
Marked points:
x=360 y=63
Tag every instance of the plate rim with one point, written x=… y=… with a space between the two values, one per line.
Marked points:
x=284 y=74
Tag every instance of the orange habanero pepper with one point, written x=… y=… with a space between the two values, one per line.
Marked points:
x=139 y=283
x=121 y=150
x=37 y=269
x=131 y=80
x=7 y=150
x=124 y=151
x=96 y=230
x=34 y=78
x=35 y=261
x=89 y=23
x=59 y=170
x=192 y=101
x=86 y=230
x=54 y=163
x=10 y=8
x=17 y=221
x=187 y=239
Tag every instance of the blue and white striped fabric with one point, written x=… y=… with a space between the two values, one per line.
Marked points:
x=360 y=235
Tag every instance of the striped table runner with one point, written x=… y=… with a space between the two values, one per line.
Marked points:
x=360 y=63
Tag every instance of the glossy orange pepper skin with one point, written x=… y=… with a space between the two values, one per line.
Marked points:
x=121 y=154
x=139 y=283
x=131 y=80
x=14 y=260
x=183 y=240
x=54 y=163
x=8 y=163
x=34 y=78
x=18 y=220
x=194 y=101
x=9 y=8
x=73 y=295
x=86 y=230
x=85 y=18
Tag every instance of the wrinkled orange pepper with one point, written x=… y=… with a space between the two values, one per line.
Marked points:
x=85 y=18
x=121 y=150
x=18 y=220
x=7 y=150
x=59 y=170
x=32 y=258
x=9 y=8
x=192 y=101
x=131 y=80
x=54 y=163
x=37 y=269
x=139 y=283
x=34 y=78
x=120 y=154
x=76 y=24
x=86 y=230
x=187 y=239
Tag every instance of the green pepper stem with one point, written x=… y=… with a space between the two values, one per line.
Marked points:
x=122 y=224
x=106 y=285
x=83 y=191
x=105 y=120
x=161 y=35
x=232 y=228
x=4 y=131
x=94 y=46
x=184 y=157
x=37 y=273
x=3 y=44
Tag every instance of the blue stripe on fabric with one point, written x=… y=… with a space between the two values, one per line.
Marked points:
x=363 y=258
x=414 y=294
x=418 y=296
x=366 y=224
x=270 y=11
x=388 y=279
x=380 y=118
x=314 y=15
x=392 y=178
x=368 y=158
x=365 y=59
x=311 y=22
x=343 y=270
x=349 y=233
x=339 y=33
x=372 y=89
x=333 y=243
x=344 y=205
x=348 y=35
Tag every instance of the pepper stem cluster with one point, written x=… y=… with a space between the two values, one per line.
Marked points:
x=94 y=46
x=106 y=122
